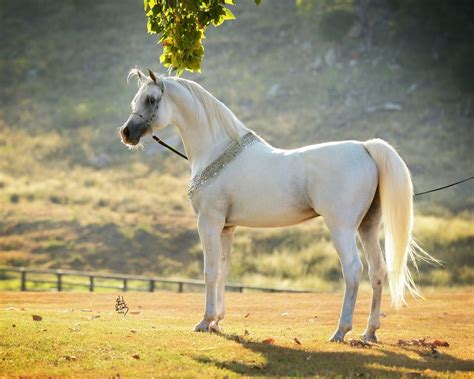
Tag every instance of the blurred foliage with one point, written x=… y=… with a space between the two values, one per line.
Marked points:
x=447 y=27
x=181 y=26
x=334 y=25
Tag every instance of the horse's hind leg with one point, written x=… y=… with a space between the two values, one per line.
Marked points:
x=344 y=241
x=368 y=233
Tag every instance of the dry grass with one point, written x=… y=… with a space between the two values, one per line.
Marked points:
x=72 y=342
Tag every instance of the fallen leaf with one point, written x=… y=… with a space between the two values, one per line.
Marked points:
x=10 y=309
x=411 y=374
x=136 y=356
x=135 y=312
x=247 y=315
x=246 y=333
x=436 y=343
x=133 y=331
x=13 y=326
x=360 y=343
x=86 y=310
x=297 y=340
x=268 y=341
x=284 y=314
x=382 y=314
x=36 y=318
x=70 y=358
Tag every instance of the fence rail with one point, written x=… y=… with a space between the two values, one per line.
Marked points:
x=59 y=283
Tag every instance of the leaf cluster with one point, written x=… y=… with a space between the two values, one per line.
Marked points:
x=181 y=26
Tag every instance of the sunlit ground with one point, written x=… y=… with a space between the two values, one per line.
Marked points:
x=80 y=334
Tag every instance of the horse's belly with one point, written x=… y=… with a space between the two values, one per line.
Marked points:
x=267 y=209
x=267 y=190
x=261 y=218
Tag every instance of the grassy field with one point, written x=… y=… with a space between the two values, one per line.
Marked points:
x=81 y=335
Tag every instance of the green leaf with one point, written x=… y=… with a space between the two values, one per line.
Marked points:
x=228 y=14
x=258 y=2
x=231 y=2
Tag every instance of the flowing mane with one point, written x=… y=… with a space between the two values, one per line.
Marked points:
x=211 y=111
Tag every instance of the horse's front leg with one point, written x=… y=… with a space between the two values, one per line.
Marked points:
x=210 y=229
x=227 y=237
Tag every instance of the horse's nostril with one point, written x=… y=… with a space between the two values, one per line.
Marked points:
x=126 y=132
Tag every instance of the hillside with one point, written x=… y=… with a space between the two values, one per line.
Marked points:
x=73 y=196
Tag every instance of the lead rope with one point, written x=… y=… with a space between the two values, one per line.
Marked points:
x=441 y=188
x=162 y=143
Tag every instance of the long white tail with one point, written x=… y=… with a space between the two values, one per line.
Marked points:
x=396 y=194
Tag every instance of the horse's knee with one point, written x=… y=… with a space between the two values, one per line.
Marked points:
x=353 y=273
x=211 y=276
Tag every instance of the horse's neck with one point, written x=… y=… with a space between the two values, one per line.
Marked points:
x=202 y=144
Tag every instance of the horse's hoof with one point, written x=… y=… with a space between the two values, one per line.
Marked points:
x=214 y=327
x=369 y=337
x=337 y=338
x=203 y=326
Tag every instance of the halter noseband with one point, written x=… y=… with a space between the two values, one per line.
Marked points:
x=149 y=121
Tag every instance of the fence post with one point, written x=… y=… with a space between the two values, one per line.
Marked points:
x=23 y=279
x=91 y=283
x=125 y=285
x=152 y=285
x=180 y=288
x=59 y=274
x=241 y=289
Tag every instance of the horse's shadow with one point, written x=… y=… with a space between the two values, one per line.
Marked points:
x=285 y=361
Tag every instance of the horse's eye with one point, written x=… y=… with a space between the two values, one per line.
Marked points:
x=151 y=100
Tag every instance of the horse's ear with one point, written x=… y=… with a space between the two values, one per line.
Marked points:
x=152 y=76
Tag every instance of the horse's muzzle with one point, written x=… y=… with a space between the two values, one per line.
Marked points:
x=132 y=131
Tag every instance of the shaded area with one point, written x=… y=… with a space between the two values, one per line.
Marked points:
x=298 y=362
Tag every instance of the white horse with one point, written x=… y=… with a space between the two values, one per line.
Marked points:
x=239 y=179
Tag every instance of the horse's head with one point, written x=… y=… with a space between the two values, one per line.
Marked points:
x=145 y=106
